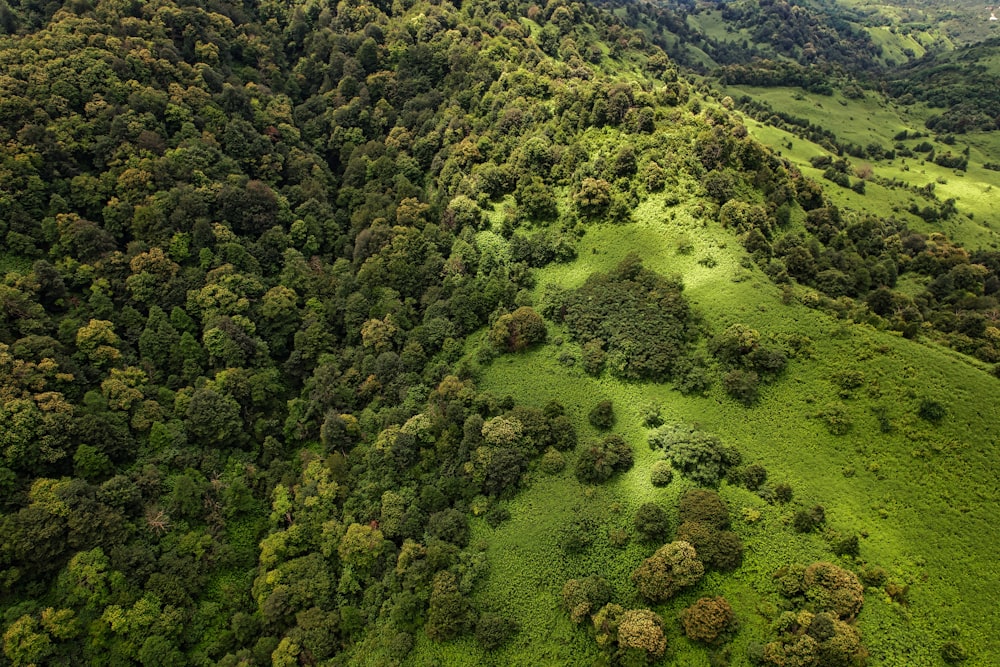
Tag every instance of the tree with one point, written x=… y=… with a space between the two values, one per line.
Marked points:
x=517 y=331
x=450 y=613
x=602 y=415
x=582 y=597
x=642 y=629
x=697 y=455
x=674 y=566
x=651 y=522
x=707 y=619
x=599 y=460
x=593 y=198
x=213 y=418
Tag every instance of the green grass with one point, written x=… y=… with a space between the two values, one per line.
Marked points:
x=924 y=497
x=976 y=191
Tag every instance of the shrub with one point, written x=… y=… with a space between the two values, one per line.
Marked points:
x=602 y=416
x=846 y=546
x=517 y=331
x=953 y=653
x=808 y=520
x=707 y=619
x=837 y=419
x=661 y=474
x=931 y=411
x=783 y=492
x=642 y=629
x=674 y=566
x=704 y=506
x=578 y=535
x=582 y=597
x=598 y=461
x=721 y=549
x=742 y=385
x=552 y=462
x=697 y=455
x=642 y=319
x=651 y=522
x=493 y=631
x=752 y=476
x=496 y=515
x=833 y=589
x=594 y=357
x=651 y=416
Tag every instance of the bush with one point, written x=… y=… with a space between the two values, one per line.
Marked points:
x=833 y=589
x=594 y=357
x=697 y=455
x=953 y=653
x=931 y=411
x=661 y=474
x=578 y=535
x=496 y=515
x=808 y=520
x=652 y=523
x=552 y=462
x=704 y=506
x=837 y=419
x=752 y=476
x=642 y=320
x=493 y=631
x=742 y=385
x=674 y=566
x=598 y=461
x=847 y=546
x=721 y=549
x=651 y=416
x=517 y=331
x=583 y=597
x=783 y=493
x=642 y=630
x=707 y=619
x=602 y=416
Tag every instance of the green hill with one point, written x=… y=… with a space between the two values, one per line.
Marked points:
x=418 y=333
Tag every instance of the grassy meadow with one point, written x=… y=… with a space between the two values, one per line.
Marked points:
x=923 y=497
x=976 y=191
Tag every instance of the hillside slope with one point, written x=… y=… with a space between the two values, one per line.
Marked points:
x=309 y=312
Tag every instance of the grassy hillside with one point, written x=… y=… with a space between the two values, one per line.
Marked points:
x=922 y=496
x=873 y=120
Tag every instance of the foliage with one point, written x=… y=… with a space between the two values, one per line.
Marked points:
x=661 y=474
x=582 y=597
x=517 y=331
x=643 y=321
x=602 y=415
x=674 y=566
x=652 y=522
x=698 y=455
x=707 y=619
x=599 y=460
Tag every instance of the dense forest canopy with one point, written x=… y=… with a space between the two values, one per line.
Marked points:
x=256 y=258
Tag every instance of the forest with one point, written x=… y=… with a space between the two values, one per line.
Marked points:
x=377 y=333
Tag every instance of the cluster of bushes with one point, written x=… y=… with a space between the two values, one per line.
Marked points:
x=631 y=320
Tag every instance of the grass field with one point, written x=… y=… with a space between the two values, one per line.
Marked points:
x=923 y=497
x=976 y=191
